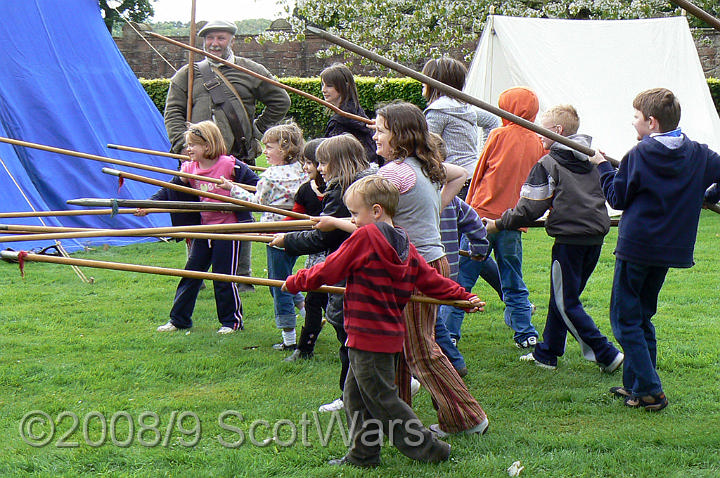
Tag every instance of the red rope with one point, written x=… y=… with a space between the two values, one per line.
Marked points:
x=21 y=262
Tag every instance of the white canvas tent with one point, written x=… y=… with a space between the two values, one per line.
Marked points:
x=598 y=66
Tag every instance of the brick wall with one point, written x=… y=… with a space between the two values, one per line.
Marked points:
x=298 y=58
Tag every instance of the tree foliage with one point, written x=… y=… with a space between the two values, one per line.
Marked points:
x=409 y=31
x=135 y=10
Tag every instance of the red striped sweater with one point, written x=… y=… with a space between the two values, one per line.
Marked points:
x=382 y=268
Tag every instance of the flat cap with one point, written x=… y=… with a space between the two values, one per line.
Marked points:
x=218 y=25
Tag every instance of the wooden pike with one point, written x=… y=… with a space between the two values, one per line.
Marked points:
x=237 y=227
x=197 y=192
x=120 y=162
x=455 y=93
x=699 y=13
x=191 y=64
x=264 y=78
x=120 y=266
x=87 y=212
x=181 y=157
x=24 y=237
x=149 y=203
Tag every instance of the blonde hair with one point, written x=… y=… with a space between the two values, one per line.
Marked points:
x=206 y=133
x=344 y=157
x=289 y=138
x=565 y=116
x=375 y=189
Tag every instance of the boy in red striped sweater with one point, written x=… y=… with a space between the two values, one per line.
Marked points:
x=382 y=267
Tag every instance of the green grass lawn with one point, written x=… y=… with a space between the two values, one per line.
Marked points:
x=88 y=356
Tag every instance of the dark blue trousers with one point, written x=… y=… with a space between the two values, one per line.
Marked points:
x=634 y=302
x=223 y=256
x=572 y=266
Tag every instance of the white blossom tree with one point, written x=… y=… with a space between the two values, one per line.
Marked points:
x=411 y=31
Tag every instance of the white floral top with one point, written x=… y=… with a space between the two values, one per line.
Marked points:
x=277 y=187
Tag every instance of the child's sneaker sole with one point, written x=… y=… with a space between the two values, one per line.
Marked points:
x=615 y=364
x=531 y=358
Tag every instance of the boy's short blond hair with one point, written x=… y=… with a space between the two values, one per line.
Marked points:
x=289 y=138
x=375 y=189
x=208 y=134
x=660 y=103
x=565 y=116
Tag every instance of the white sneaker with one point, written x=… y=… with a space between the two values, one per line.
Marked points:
x=334 y=406
x=414 y=386
x=478 y=429
x=169 y=327
x=531 y=358
x=614 y=365
x=225 y=330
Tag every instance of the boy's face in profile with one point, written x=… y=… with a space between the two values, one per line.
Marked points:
x=360 y=214
x=548 y=123
x=642 y=125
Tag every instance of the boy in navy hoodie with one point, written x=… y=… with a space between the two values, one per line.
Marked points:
x=382 y=268
x=659 y=185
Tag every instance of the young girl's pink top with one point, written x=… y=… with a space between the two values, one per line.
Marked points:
x=223 y=166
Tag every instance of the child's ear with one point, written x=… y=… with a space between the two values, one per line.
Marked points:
x=377 y=211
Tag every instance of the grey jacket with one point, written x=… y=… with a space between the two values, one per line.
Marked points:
x=250 y=89
x=567 y=184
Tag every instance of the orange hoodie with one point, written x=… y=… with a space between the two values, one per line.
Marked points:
x=509 y=154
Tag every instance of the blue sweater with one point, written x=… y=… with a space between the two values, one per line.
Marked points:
x=660 y=190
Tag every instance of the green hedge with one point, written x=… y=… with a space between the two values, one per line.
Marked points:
x=312 y=117
x=714 y=84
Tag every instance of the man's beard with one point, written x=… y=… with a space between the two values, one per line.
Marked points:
x=224 y=54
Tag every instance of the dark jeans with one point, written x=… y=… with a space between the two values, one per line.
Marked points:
x=571 y=268
x=223 y=256
x=315 y=303
x=373 y=408
x=634 y=302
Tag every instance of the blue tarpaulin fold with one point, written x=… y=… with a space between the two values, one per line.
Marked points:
x=64 y=83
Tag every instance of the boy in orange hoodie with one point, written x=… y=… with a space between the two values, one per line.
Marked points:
x=509 y=153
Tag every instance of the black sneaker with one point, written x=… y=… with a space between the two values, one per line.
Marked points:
x=283 y=346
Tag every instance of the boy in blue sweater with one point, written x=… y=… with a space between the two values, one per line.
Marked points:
x=659 y=185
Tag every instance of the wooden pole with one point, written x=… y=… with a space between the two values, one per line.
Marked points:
x=455 y=93
x=699 y=13
x=24 y=237
x=191 y=64
x=181 y=157
x=105 y=159
x=197 y=192
x=265 y=78
x=236 y=227
x=119 y=266
x=149 y=203
x=87 y=212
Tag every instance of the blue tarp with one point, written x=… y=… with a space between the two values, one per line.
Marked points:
x=64 y=83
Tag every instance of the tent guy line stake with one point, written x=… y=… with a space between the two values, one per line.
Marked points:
x=120 y=162
x=121 y=266
x=265 y=79
x=59 y=246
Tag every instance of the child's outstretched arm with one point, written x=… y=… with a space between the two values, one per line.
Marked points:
x=330 y=223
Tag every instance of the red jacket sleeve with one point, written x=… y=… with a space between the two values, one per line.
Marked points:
x=431 y=283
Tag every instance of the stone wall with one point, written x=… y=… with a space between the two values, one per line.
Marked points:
x=298 y=58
